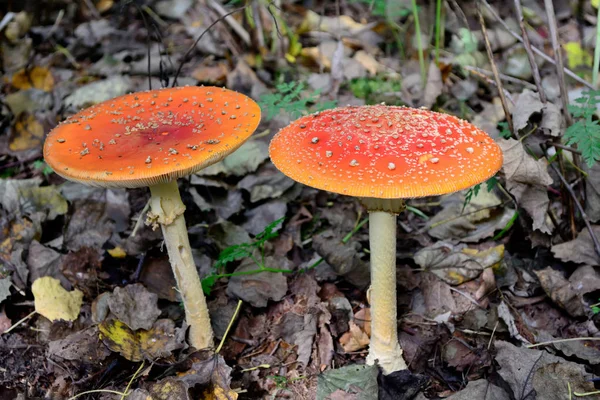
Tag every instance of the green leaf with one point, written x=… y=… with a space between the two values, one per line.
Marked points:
x=289 y=99
x=504 y=131
x=585 y=132
x=233 y=253
x=207 y=283
x=243 y=250
x=491 y=183
x=358 y=381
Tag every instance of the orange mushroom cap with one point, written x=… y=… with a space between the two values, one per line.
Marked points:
x=151 y=137
x=385 y=152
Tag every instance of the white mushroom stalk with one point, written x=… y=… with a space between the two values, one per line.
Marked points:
x=166 y=209
x=384 y=348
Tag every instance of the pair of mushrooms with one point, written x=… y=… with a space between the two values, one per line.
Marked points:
x=377 y=153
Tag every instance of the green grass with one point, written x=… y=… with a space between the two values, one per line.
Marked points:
x=371 y=89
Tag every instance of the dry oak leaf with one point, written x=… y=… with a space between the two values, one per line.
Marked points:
x=54 y=302
x=527 y=179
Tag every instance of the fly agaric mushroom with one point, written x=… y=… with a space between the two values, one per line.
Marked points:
x=382 y=155
x=151 y=139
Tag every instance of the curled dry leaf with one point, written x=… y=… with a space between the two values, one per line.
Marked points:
x=159 y=341
x=580 y=250
x=135 y=306
x=525 y=370
x=527 y=180
x=529 y=106
x=479 y=219
x=355 y=339
x=569 y=293
x=456 y=266
x=54 y=302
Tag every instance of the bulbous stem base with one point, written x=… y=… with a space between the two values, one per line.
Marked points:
x=384 y=346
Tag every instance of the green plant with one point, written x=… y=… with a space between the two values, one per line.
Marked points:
x=595 y=308
x=244 y=250
x=474 y=191
x=504 y=130
x=585 y=132
x=41 y=165
x=383 y=8
x=370 y=89
x=290 y=99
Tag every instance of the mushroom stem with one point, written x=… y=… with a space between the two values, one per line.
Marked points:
x=167 y=209
x=384 y=346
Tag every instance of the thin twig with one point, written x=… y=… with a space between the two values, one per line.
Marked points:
x=140 y=219
x=562 y=146
x=577 y=339
x=596 y=52
x=242 y=33
x=527 y=44
x=19 y=322
x=493 y=83
x=490 y=54
x=231 y=321
x=535 y=49
x=186 y=57
x=560 y=68
x=578 y=205
x=504 y=77
x=131 y=381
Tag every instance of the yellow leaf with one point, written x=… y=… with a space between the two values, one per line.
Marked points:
x=104 y=5
x=219 y=393
x=117 y=252
x=36 y=77
x=27 y=134
x=54 y=302
x=45 y=198
x=595 y=3
x=577 y=56
x=137 y=345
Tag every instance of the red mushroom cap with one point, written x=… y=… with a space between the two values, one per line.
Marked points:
x=385 y=152
x=151 y=137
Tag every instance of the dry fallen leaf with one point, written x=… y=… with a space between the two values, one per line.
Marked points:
x=355 y=339
x=117 y=252
x=527 y=180
x=27 y=134
x=54 y=302
x=159 y=341
x=579 y=250
x=36 y=77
